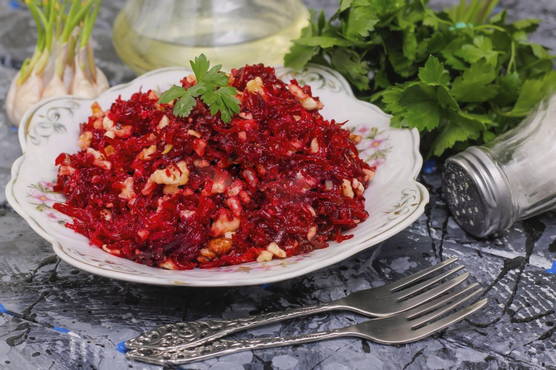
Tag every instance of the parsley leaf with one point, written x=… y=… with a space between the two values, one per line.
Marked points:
x=200 y=66
x=184 y=105
x=459 y=129
x=222 y=100
x=299 y=55
x=433 y=72
x=476 y=79
x=350 y=64
x=532 y=91
x=361 y=22
x=172 y=93
x=421 y=107
x=212 y=87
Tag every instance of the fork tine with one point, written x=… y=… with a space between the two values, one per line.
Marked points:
x=427 y=330
x=418 y=287
x=438 y=302
x=419 y=275
x=442 y=310
x=432 y=293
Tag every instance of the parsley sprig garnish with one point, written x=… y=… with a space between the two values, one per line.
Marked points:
x=212 y=87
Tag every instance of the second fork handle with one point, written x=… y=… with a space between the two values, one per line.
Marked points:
x=180 y=356
x=195 y=333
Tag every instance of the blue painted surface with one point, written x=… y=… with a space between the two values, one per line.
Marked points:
x=3 y=309
x=15 y=4
x=120 y=347
x=430 y=166
x=61 y=330
x=552 y=270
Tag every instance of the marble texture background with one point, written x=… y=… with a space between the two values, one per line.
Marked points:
x=515 y=331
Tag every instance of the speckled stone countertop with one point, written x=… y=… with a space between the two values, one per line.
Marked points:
x=516 y=330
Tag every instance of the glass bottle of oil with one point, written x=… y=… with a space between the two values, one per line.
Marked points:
x=150 y=34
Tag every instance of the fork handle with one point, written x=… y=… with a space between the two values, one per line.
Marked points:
x=221 y=347
x=195 y=333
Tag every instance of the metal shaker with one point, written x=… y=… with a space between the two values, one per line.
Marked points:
x=488 y=188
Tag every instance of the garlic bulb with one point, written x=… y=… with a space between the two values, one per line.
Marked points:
x=63 y=61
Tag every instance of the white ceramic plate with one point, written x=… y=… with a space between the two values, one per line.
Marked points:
x=394 y=199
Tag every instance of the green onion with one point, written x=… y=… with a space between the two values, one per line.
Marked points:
x=63 y=61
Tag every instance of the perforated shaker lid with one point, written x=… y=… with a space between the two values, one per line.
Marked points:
x=477 y=192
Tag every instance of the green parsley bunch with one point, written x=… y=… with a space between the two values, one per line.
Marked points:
x=460 y=76
x=212 y=87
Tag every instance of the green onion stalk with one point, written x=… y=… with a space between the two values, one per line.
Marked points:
x=474 y=12
x=63 y=62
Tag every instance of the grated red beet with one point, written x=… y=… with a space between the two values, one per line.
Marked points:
x=278 y=172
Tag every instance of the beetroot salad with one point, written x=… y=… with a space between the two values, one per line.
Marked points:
x=182 y=192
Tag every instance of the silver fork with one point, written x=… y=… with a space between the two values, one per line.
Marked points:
x=383 y=301
x=409 y=326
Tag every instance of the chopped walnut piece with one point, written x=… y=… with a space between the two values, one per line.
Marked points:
x=359 y=188
x=85 y=139
x=167 y=148
x=146 y=154
x=234 y=188
x=246 y=115
x=164 y=121
x=235 y=206
x=170 y=189
x=187 y=213
x=311 y=233
x=168 y=264
x=107 y=123
x=97 y=110
x=201 y=163
x=311 y=104
x=369 y=174
x=314 y=145
x=175 y=174
x=306 y=101
x=127 y=191
x=220 y=246
x=296 y=91
x=109 y=150
x=66 y=170
x=276 y=250
x=207 y=253
x=221 y=181
x=265 y=256
x=255 y=86
x=194 y=133
x=223 y=224
x=347 y=189
x=115 y=251
x=106 y=214
x=99 y=159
